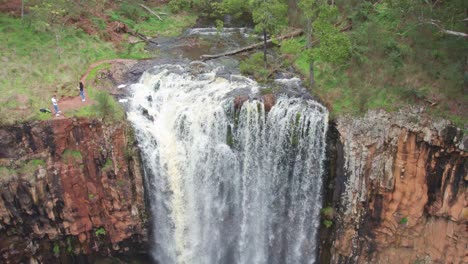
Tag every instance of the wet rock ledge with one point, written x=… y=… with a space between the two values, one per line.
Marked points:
x=70 y=188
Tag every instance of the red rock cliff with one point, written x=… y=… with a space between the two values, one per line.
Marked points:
x=405 y=197
x=69 y=187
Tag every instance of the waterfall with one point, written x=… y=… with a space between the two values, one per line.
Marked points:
x=228 y=184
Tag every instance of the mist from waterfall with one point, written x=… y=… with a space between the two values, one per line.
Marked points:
x=227 y=184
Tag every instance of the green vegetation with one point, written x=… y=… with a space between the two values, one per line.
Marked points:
x=108 y=165
x=31 y=166
x=393 y=59
x=72 y=156
x=69 y=245
x=56 y=248
x=255 y=66
x=328 y=212
x=45 y=55
x=6 y=172
x=327 y=223
x=404 y=220
x=26 y=168
x=140 y=20
x=100 y=232
x=106 y=108
x=270 y=16
x=357 y=55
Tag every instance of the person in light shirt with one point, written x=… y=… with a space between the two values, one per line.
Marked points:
x=55 y=105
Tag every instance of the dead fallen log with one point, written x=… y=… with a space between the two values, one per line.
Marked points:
x=151 y=11
x=251 y=47
x=141 y=36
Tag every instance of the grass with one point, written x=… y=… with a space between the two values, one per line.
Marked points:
x=35 y=65
x=6 y=173
x=105 y=108
x=26 y=168
x=143 y=22
x=31 y=166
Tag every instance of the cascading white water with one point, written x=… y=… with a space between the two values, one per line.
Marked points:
x=228 y=185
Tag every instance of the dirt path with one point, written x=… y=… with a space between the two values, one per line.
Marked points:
x=72 y=103
x=96 y=64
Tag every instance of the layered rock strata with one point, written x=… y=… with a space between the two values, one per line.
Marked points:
x=405 y=197
x=69 y=187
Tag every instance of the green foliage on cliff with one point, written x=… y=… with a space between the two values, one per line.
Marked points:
x=31 y=166
x=108 y=165
x=100 y=232
x=6 y=173
x=404 y=220
x=327 y=223
x=25 y=168
x=72 y=156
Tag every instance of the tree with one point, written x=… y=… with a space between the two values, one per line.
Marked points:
x=331 y=45
x=269 y=16
x=309 y=13
x=50 y=15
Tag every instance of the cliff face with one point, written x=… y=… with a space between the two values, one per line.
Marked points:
x=405 y=197
x=69 y=187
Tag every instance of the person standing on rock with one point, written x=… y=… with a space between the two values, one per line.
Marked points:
x=55 y=105
x=82 y=92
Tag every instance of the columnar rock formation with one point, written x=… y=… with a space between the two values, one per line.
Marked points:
x=405 y=197
x=69 y=187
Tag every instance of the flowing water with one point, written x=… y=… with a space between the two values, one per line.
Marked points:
x=228 y=184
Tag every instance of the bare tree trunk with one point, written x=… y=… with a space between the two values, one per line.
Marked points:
x=311 y=73
x=265 y=47
x=22 y=9
x=309 y=46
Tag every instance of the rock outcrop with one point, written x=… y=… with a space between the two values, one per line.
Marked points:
x=405 y=197
x=69 y=187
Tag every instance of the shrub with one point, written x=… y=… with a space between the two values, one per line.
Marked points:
x=100 y=231
x=404 y=221
x=56 y=248
x=327 y=212
x=107 y=108
x=255 y=66
x=327 y=223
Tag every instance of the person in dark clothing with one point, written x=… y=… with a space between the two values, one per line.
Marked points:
x=82 y=92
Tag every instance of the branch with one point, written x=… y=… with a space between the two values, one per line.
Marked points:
x=443 y=30
x=151 y=11
x=141 y=36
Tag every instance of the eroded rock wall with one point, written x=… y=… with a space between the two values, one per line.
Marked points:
x=69 y=187
x=405 y=198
